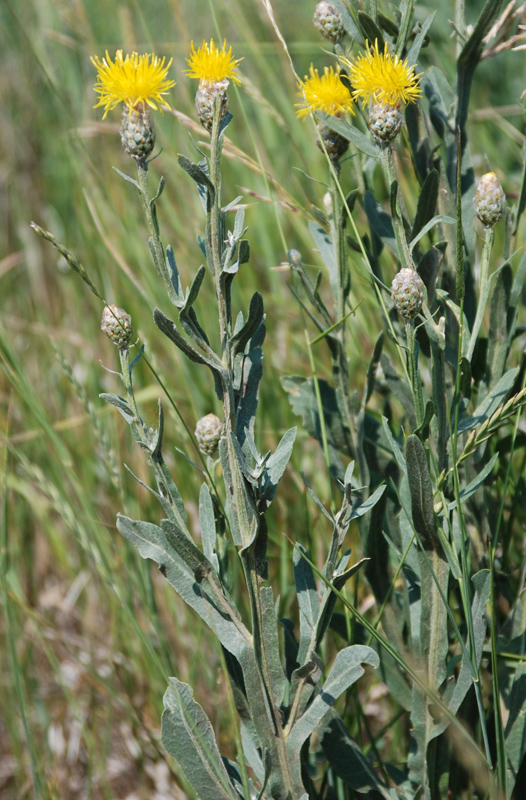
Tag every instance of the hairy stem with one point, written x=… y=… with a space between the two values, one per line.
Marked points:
x=483 y=290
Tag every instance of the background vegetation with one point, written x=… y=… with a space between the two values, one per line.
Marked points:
x=89 y=631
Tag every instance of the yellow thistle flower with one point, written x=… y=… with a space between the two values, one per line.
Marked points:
x=212 y=65
x=382 y=77
x=326 y=93
x=134 y=80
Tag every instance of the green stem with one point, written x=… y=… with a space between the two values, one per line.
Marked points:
x=215 y=246
x=464 y=584
x=483 y=290
x=340 y=361
x=215 y=237
x=416 y=383
x=406 y=260
x=151 y=217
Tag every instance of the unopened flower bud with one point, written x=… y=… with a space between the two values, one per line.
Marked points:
x=335 y=145
x=407 y=291
x=137 y=131
x=329 y=21
x=490 y=200
x=117 y=324
x=208 y=433
x=205 y=99
x=385 y=122
x=295 y=257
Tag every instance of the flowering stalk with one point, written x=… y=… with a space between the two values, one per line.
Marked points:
x=215 y=237
x=484 y=286
x=148 y=205
x=412 y=363
x=404 y=253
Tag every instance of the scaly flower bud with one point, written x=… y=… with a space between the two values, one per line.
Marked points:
x=385 y=121
x=329 y=21
x=335 y=145
x=407 y=291
x=208 y=433
x=204 y=102
x=117 y=324
x=490 y=200
x=137 y=131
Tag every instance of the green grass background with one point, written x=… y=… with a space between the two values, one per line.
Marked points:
x=89 y=632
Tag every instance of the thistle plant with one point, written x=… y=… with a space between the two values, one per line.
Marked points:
x=421 y=450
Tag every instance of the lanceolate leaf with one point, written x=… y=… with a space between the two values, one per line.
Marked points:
x=351 y=133
x=327 y=252
x=427 y=202
x=481 y=582
x=346 y=758
x=491 y=402
x=421 y=492
x=277 y=463
x=345 y=671
x=470 y=57
x=188 y=736
x=215 y=609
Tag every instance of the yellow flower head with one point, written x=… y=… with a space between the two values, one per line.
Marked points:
x=328 y=93
x=132 y=80
x=212 y=65
x=383 y=77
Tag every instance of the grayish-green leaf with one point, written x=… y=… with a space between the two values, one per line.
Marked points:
x=445 y=220
x=196 y=173
x=346 y=758
x=346 y=670
x=122 y=406
x=482 y=584
x=371 y=31
x=395 y=447
x=491 y=402
x=256 y=314
x=367 y=505
x=421 y=490
x=212 y=606
x=351 y=133
x=208 y=525
x=414 y=50
x=427 y=202
x=188 y=736
x=308 y=600
x=476 y=483
x=380 y=221
x=326 y=247
x=277 y=463
x=270 y=643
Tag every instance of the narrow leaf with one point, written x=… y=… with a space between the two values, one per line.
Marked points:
x=350 y=133
x=421 y=490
